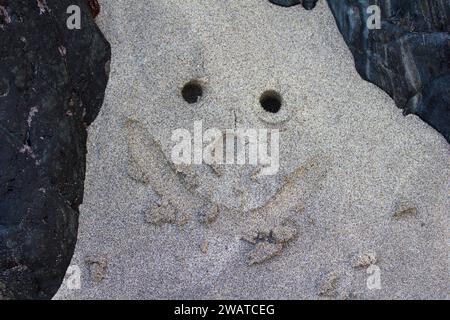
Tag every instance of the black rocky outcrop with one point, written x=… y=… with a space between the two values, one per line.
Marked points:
x=52 y=84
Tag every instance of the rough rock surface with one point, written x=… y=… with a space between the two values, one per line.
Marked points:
x=409 y=57
x=307 y=4
x=52 y=83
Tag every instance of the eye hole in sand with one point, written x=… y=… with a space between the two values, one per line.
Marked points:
x=271 y=101
x=192 y=92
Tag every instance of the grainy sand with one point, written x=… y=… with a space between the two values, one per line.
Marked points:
x=359 y=184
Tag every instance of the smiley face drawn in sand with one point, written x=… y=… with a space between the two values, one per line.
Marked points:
x=235 y=57
x=235 y=93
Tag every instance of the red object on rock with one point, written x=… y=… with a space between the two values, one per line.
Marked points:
x=95 y=7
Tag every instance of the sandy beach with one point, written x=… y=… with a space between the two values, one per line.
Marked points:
x=359 y=208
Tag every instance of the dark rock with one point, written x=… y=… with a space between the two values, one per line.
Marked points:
x=307 y=4
x=52 y=83
x=286 y=3
x=409 y=57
